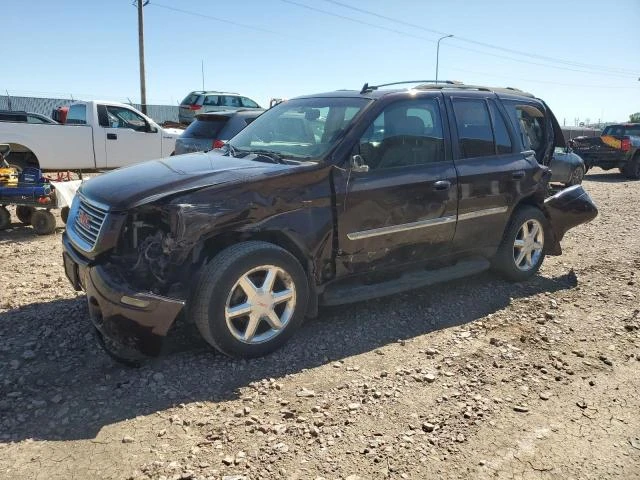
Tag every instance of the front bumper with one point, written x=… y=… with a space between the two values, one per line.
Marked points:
x=130 y=322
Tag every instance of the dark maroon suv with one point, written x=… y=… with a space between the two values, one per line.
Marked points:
x=322 y=200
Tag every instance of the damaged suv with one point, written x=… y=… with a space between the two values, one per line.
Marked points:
x=322 y=200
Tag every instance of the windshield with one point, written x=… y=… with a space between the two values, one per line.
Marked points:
x=622 y=130
x=302 y=128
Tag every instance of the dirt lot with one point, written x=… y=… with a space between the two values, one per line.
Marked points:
x=472 y=379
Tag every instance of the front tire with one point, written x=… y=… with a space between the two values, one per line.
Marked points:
x=576 y=176
x=521 y=252
x=250 y=299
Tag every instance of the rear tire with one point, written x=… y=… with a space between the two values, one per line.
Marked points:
x=238 y=311
x=576 y=176
x=43 y=222
x=5 y=218
x=24 y=214
x=522 y=249
x=632 y=168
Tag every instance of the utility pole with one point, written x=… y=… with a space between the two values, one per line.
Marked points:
x=143 y=87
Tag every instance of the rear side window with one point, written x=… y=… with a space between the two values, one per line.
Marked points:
x=77 y=115
x=474 y=128
x=229 y=101
x=529 y=122
x=206 y=127
x=10 y=117
x=190 y=99
x=211 y=100
x=503 y=141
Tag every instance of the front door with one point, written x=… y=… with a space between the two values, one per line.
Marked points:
x=128 y=138
x=403 y=210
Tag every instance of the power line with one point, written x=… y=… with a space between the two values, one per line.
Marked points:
x=217 y=19
x=483 y=44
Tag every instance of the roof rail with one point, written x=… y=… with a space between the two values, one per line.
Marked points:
x=370 y=88
x=481 y=88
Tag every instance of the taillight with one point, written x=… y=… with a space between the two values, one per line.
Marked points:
x=195 y=107
x=218 y=144
x=625 y=144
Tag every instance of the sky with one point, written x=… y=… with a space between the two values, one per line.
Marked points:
x=581 y=57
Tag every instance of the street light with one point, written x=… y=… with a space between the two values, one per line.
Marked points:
x=438 y=53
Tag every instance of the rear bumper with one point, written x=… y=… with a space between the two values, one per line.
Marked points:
x=567 y=209
x=132 y=323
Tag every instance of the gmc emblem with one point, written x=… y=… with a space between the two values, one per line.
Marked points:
x=84 y=220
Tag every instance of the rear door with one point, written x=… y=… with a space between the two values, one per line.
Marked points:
x=493 y=173
x=403 y=210
x=128 y=137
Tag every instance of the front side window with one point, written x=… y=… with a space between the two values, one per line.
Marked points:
x=405 y=134
x=119 y=117
x=474 y=128
x=247 y=102
x=300 y=128
x=77 y=115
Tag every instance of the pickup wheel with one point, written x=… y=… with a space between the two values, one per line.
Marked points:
x=24 y=214
x=250 y=299
x=632 y=168
x=5 y=218
x=43 y=222
x=522 y=249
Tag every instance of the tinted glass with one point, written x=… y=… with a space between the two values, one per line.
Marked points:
x=404 y=134
x=301 y=128
x=12 y=117
x=229 y=101
x=621 y=130
x=77 y=115
x=474 y=128
x=206 y=127
x=529 y=122
x=190 y=99
x=247 y=102
x=211 y=100
x=503 y=141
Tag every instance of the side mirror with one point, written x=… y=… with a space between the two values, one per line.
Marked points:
x=358 y=164
x=151 y=128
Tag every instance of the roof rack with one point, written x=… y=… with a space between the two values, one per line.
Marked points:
x=370 y=88
x=481 y=88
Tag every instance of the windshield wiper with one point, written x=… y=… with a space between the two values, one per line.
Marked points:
x=230 y=149
x=273 y=156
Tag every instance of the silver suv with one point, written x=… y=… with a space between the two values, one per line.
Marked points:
x=212 y=101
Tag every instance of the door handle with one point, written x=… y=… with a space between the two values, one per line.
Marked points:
x=442 y=185
x=518 y=175
x=112 y=136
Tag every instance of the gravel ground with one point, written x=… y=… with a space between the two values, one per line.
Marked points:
x=471 y=379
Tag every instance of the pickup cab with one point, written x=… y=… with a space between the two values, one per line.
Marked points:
x=322 y=200
x=97 y=135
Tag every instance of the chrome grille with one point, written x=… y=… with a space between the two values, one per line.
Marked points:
x=88 y=222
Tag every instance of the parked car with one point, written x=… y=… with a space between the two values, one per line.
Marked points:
x=617 y=147
x=212 y=101
x=397 y=189
x=96 y=135
x=212 y=130
x=567 y=167
x=24 y=117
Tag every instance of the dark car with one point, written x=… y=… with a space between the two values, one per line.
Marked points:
x=212 y=130
x=24 y=117
x=383 y=190
x=617 y=147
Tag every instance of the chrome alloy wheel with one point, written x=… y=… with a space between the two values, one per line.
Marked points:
x=528 y=245
x=256 y=314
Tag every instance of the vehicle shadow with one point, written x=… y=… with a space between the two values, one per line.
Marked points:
x=19 y=232
x=611 y=177
x=56 y=384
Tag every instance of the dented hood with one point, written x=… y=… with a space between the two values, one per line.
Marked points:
x=142 y=183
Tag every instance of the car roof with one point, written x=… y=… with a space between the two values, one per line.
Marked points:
x=375 y=92
x=208 y=92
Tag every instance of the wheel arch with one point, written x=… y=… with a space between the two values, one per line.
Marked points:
x=22 y=155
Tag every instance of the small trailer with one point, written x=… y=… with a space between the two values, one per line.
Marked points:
x=33 y=195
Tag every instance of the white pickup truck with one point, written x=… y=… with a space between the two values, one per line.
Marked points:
x=97 y=135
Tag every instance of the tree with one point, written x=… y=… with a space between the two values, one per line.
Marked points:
x=634 y=117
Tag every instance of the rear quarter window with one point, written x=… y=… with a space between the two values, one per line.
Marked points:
x=77 y=115
x=206 y=127
x=190 y=99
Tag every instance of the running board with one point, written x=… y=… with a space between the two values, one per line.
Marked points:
x=339 y=295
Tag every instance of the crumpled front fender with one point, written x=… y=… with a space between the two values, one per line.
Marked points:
x=567 y=209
